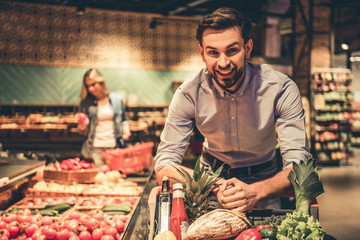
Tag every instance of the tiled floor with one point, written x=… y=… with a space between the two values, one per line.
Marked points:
x=340 y=204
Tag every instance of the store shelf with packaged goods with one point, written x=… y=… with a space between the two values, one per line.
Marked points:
x=331 y=115
x=355 y=124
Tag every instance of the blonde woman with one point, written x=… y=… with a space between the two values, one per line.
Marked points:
x=102 y=118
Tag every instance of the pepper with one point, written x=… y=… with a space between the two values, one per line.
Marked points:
x=249 y=234
x=57 y=166
x=84 y=164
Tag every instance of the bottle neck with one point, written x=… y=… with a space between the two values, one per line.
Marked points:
x=178 y=194
x=165 y=187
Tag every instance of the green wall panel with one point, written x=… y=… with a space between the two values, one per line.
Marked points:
x=57 y=85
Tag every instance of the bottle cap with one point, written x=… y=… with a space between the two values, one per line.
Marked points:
x=178 y=186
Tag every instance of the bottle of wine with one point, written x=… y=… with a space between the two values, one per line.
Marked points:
x=163 y=208
x=179 y=221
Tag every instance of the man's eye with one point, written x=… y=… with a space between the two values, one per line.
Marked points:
x=212 y=53
x=232 y=51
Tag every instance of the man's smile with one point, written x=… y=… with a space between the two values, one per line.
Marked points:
x=225 y=73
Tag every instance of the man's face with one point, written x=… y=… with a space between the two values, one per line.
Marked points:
x=224 y=53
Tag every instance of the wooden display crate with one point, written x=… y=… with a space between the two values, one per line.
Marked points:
x=71 y=176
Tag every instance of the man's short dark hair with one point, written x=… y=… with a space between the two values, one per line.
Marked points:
x=224 y=18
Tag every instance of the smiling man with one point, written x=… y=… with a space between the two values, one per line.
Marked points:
x=236 y=105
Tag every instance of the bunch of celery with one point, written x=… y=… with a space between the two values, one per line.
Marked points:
x=307 y=186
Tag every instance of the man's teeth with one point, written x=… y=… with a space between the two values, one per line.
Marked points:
x=224 y=73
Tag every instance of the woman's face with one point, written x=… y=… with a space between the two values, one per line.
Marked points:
x=94 y=88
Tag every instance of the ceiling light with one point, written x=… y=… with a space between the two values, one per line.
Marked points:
x=344 y=46
x=354 y=59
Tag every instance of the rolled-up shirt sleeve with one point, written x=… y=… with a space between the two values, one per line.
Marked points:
x=291 y=125
x=176 y=134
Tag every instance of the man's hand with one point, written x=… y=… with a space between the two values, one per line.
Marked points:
x=236 y=195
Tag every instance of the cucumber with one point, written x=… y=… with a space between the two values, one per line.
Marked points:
x=59 y=207
x=46 y=212
x=116 y=213
x=117 y=207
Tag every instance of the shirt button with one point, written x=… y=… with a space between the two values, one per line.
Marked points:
x=232 y=118
x=234 y=134
x=232 y=99
x=242 y=93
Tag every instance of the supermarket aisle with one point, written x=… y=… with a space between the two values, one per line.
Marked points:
x=340 y=204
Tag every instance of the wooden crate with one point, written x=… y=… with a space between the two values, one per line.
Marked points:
x=71 y=176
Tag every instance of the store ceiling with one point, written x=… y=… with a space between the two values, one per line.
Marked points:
x=346 y=12
x=255 y=8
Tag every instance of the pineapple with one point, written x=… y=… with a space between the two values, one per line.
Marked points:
x=198 y=190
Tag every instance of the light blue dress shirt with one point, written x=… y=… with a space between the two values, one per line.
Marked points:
x=241 y=128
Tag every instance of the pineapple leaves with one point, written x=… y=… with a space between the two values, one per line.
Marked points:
x=186 y=176
x=198 y=189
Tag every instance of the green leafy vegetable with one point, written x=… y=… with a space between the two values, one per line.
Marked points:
x=299 y=225
x=306 y=183
x=307 y=186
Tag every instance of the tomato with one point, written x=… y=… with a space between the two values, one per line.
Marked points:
x=23 y=218
x=13 y=229
x=107 y=237
x=63 y=234
x=37 y=201
x=92 y=223
x=36 y=219
x=74 y=237
x=4 y=233
x=3 y=224
x=262 y=226
x=58 y=225
x=249 y=234
x=72 y=225
x=99 y=215
x=46 y=220
x=119 y=225
x=97 y=234
x=84 y=218
x=36 y=234
x=30 y=230
x=82 y=227
x=49 y=232
x=29 y=204
x=84 y=235
x=40 y=237
x=24 y=211
x=74 y=215
x=110 y=231
x=9 y=217
x=21 y=237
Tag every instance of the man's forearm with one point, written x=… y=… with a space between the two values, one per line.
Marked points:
x=276 y=186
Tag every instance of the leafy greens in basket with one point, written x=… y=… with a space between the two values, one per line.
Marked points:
x=307 y=186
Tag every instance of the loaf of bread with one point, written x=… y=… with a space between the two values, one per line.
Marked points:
x=218 y=224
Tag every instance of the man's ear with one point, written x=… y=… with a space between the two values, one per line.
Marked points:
x=201 y=51
x=248 y=48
